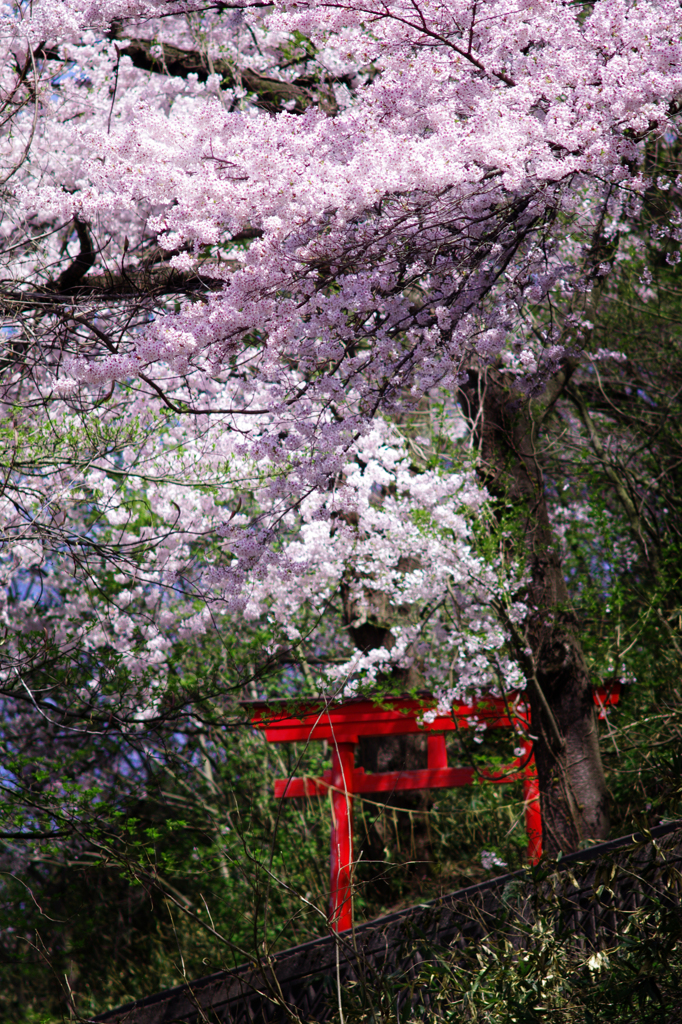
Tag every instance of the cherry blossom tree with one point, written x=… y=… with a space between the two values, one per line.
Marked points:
x=246 y=246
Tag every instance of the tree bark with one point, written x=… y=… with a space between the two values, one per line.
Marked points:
x=573 y=793
x=409 y=835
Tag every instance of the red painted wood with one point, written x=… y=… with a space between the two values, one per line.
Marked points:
x=531 y=803
x=393 y=782
x=351 y=719
x=437 y=751
x=344 y=723
x=341 y=860
x=307 y=786
x=604 y=696
x=348 y=721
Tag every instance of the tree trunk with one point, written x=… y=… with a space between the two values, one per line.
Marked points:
x=408 y=835
x=573 y=794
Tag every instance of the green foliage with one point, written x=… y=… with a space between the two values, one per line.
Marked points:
x=534 y=967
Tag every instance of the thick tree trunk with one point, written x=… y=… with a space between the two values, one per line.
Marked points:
x=573 y=792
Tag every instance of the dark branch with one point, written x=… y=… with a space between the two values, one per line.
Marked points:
x=83 y=262
x=271 y=93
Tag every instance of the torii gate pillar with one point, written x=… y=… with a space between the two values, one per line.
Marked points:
x=341 y=859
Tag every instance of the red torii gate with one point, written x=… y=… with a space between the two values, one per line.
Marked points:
x=342 y=724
